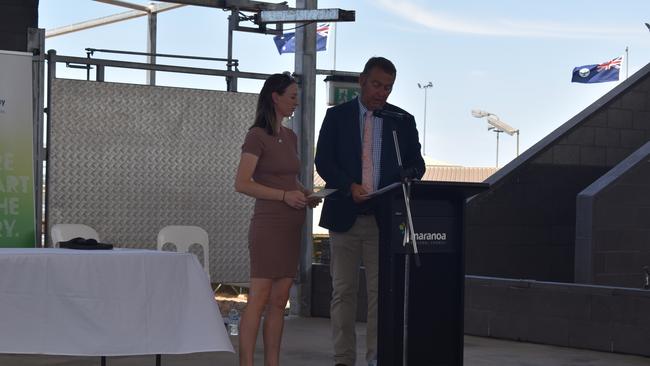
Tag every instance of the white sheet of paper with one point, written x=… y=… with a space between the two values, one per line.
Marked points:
x=322 y=193
x=382 y=190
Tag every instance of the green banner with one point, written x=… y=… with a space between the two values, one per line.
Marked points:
x=16 y=151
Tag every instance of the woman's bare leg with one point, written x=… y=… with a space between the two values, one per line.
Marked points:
x=274 y=320
x=258 y=297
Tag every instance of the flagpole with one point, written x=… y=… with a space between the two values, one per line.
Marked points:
x=336 y=32
x=627 y=61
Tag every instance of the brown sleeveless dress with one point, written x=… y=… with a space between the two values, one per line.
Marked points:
x=275 y=229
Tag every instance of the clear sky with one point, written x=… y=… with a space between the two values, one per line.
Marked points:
x=512 y=58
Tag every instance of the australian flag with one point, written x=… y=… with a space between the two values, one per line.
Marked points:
x=286 y=43
x=607 y=71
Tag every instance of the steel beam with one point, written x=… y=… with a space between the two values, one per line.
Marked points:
x=107 y=20
x=304 y=15
x=158 y=67
x=125 y=4
x=243 y=5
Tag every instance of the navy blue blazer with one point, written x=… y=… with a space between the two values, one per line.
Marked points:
x=338 y=158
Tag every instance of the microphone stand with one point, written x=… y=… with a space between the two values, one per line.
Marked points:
x=409 y=236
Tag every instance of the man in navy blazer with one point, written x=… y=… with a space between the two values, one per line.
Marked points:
x=349 y=214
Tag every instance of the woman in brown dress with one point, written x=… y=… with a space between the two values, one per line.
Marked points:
x=268 y=171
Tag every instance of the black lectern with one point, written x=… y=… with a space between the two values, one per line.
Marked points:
x=434 y=291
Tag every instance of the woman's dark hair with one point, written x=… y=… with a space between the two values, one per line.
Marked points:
x=265 y=114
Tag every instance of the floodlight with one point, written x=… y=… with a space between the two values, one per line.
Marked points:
x=479 y=113
x=497 y=123
x=497 y=126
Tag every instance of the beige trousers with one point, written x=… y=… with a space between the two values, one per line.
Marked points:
x=347 y=250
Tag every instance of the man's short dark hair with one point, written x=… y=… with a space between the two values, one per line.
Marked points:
x=383 y=63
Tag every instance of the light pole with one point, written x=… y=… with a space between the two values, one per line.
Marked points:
x=497 y=131
x=424 y=132
x=497 y=126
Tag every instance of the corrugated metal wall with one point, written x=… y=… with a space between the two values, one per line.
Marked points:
x=130 y=159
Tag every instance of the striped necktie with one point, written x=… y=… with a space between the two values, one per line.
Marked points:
x=367 y=180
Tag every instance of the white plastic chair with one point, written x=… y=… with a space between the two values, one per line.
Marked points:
x=183 y=237
x=65 y=232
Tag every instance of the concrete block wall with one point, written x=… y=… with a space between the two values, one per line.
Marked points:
x=609 y=319
x=524 y=226
x=613 y=225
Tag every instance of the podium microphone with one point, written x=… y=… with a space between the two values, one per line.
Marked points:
x=382 y=113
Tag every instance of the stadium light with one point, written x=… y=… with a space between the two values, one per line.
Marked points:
x=497 y=126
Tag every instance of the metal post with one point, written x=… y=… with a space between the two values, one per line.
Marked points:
x=497 y=132
x=335 y=27
x=405 y=311
x=151 y=45
x=36 y=44
x=627 y=61
x=424 y=133
x=99 y=75
x=51 y=75
x=88 y=53
x=303 y=125
x=233 y=21
x=517 y=142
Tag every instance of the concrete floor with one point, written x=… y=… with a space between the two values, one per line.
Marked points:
x=307 y=342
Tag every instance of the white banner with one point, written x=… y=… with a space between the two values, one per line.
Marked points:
x=16 y=151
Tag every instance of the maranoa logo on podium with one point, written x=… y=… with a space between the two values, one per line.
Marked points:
x=424 y=237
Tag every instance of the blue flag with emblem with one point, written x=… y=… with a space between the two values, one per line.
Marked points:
x=286 y=43
x=600 y=73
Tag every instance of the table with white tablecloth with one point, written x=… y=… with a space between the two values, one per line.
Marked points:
x=106 y=303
